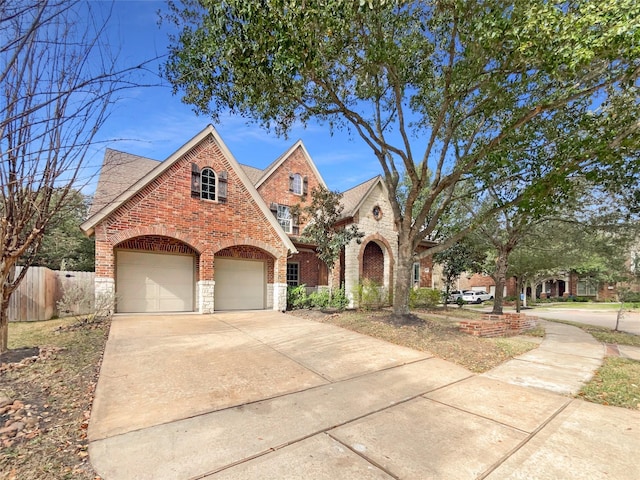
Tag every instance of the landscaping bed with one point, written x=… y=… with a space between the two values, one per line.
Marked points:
x=47 y=382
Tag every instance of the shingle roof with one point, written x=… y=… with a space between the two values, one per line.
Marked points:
x=352 y=198
x=253 y=173
x=125 y=170
x=119 y=171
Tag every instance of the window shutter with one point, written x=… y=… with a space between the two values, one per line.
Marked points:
x=195 y=181
x=291 y=177
x=274 y=208
x=222 y=186
x=305 y=185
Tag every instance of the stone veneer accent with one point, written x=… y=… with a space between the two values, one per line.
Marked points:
x=499 y=325
x=379 y=231
x=105 y=288
x=279 y=297
x=204 y=296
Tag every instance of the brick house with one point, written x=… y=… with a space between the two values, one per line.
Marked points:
x=201 y=232
x=563 y=285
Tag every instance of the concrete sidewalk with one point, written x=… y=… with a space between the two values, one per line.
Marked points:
x=566 y=359
x=271 y=396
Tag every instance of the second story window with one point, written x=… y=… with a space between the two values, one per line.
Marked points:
x=295 y=183
x=208 y=184
x=284 y=218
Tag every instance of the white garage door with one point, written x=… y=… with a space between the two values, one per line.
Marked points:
x=240 y=284
x=152 y=282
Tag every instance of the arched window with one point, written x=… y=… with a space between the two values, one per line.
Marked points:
x=208 y=184
x=295 y=183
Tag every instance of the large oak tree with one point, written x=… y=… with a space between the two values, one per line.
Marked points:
x=442 y=91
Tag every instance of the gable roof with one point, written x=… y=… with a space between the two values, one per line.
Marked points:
x=353 y=198
x=161 y=167
x=119 y=171
x=267 y=172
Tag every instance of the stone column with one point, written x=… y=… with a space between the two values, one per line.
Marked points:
x=205 y=292
x=104 y=295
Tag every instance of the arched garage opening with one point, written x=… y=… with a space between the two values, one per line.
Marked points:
x=243 y=277
x=155 y=274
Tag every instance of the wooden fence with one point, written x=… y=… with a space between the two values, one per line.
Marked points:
x=39 y=292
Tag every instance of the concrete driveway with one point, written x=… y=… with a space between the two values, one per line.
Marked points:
x=266 y=395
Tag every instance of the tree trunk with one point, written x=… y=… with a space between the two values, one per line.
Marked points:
x=518 y=293
x=532 y=298
x=4 y=326
x=500 y=277
x=6 y=278
x=403 y=279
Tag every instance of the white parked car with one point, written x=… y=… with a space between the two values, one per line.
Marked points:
x=476 y=296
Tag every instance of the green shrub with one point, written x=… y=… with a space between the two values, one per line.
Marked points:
x=339 y=299
x=424 y=298
x=319 y=299
x=297 y=297
x=371 y=295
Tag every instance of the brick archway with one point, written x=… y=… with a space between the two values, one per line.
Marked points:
x=373 y=263
x=155 y=230
x=381 y=247
x=248 y=242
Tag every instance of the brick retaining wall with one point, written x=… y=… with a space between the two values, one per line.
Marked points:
x=499 y=325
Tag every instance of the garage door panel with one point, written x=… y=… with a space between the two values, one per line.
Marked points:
x=150 y=282
x=240 y=284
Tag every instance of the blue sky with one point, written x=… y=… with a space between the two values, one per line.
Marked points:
x=153 y=123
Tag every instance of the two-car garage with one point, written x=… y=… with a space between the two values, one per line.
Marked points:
x=148 y=282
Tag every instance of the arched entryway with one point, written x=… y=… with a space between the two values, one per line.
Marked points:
x=373 y=263
x=155 y=274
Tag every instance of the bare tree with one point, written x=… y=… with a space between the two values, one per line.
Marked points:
x=57 y=82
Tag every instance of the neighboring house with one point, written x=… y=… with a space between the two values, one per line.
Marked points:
x=562 y=285
x=200 y=232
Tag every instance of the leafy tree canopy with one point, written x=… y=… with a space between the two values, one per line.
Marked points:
x=444 y=91
x=64 y=246
x=323 y=227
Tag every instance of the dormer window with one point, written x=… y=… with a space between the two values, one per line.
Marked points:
x=208 y=184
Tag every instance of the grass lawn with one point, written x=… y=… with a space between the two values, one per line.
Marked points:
x=56 y=392
x=616 y=383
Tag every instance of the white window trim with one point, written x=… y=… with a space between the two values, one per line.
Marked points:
x=586 y=287
x=296 y=184
x=416 y=278
x=215 y=185
x=284 y=218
